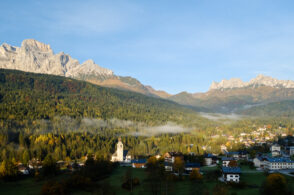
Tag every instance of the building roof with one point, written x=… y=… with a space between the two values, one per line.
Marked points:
x=275 y=145
x=227 y=159
x=243 y=152
x=139 y=161
x=192 y=165
x=125 y=153
x=232 y=153
x=236 y=170
x=209 y=155
x=168 y=164
x=281 y=159
x=175 y=153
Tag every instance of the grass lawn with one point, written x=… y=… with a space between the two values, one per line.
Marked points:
x=246 y=168
x=208 y=168
x=178 y=187
x=25 y=186
x=254 y=180
x=116 y=180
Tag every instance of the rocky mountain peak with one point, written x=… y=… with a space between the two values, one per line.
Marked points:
x=34 y=45
x=260 y=80
x=34 y=56
x=91 y=69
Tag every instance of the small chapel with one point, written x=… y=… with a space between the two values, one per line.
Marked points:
x=121 y=155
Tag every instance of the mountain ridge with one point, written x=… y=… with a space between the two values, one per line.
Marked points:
x=258 y=81
x=224 y=96
x=36 y=57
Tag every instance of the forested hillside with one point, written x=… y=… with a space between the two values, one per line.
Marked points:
x=275 y=109
x=35 y=96
x=44 y=114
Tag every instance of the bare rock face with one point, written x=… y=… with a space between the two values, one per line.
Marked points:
x=260 y=80
x=89 y=68
x=37 y=57
x=34 y=56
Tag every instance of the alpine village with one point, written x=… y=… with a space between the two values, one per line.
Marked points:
x=217 y=120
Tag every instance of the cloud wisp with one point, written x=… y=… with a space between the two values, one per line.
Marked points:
x=222 y=117
x=68 y=124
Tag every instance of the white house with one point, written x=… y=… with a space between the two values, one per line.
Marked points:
x=210 y=159
x=278 y=163
x=231 y=174
x=258 y=162
x=275 y=150
x=168 y=166
x=171 y=156
x=121 y=155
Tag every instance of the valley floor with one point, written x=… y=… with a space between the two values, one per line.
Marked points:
x=253 y=182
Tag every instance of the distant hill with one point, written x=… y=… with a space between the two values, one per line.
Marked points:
x=38 y=96
x=234 y=95
x=275 y=109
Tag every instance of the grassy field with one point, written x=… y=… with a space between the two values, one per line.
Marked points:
x=25 y=186
x=185 y=186
x=253 y=181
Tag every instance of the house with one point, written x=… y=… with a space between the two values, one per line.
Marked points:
x=243 y=154
x=170 y=156
x=23 y=169
x=291 y=150
x=210 y=159
x=35 y=164
x=275 y=150
x=60 y=163
x=231 y=174
x=259 y=162
x=189 y=167
x=73 y=166
x=121 y=155
x=234 y=155
x=168 y=166
x=226 y=161
x=273 y=163
x=278 y=163
x=139 y=163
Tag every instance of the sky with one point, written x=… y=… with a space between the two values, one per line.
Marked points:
x=171 y=45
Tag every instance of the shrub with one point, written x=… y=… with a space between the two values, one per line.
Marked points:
x=53 y=187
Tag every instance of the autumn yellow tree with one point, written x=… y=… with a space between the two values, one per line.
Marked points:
x=275 y=184
x=195 y=175
x=8 y=169
x=179 y=165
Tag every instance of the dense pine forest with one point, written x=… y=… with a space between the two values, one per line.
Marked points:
x=43 y=115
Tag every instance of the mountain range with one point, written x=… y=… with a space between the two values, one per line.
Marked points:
x=34 y=56
x=226 y=96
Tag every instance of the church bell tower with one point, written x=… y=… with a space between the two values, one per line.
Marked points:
x=120 y=150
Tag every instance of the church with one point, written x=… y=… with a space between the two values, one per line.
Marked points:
x=121 y=155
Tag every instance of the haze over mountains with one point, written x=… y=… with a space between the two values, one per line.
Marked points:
x=226 y=96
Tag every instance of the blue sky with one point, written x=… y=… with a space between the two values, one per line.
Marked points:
x=171 y=45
